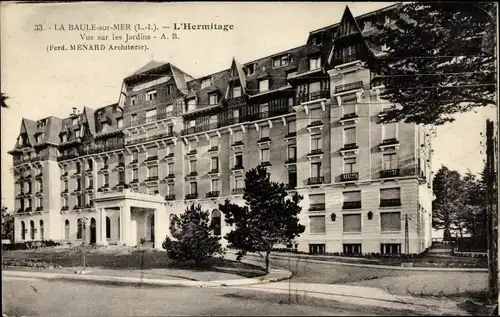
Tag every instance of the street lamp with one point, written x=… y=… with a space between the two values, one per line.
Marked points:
x=407 y=238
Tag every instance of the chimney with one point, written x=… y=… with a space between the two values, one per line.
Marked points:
x=75 y=111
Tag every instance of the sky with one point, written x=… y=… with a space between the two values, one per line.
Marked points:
x=42 y=82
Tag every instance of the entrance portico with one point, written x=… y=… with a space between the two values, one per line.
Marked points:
x=138 y=216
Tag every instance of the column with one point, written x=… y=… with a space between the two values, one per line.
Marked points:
x=102 y=227
x=125 y=224
x=161 y=225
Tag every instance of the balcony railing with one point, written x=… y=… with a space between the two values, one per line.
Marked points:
x=315 y=123
x=265 y=163
x=316 y=207
x=237 y=167
x=349 y=86
x=389 y=141
x=264 y=139
x=170 y=197
x=313 y=96
x=351 y=205
x=170 y=175
x=151 y=138
x=192 y=152
x=214 y=193
x=390 y=173
x=291 y=160
x=192 y=196
x=346 y=59
x=201 y=128
x=64 y=208
x=213 y=148
x=315 y=180
x=39 y=208
x=315 y=152
x=290 y=135
x=152 y=158
x=194 y=173
x=349 y=177
x=152 y=178
x=349 y=146
x=214 y=171
x=237 y=191
x=349 y=116
x=160 y=116
x=290 y=186
x=237 y=143
x=390 y=202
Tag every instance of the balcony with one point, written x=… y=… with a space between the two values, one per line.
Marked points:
x=67 y=156
x=385 y=111
x=291 y=161
x=214 y=148
x=316 y=153
x=170 y=176
x=65 y=208
x=170 y=197
x=312 y=96
x=264 y=141
x=39 y=176
x=315 y=126
x=238 y=145
x=237 y=191
x=347 y=177
x=349 y=117
x=390 y=202
x=151 y=160
x=20 y=195
x=351 y=148
x=28 y=209
x=76 y=207
x=191 y=196
x=135 y=181
x=265 y=163
x=39 y=208
x=77 y=191
x=120 y=167
x=340 y=62
x=89 y=206
x=390 y=173
x=151 y=179
x=104 y=188
x=214 y=171
x=391 y=143
x=290 y=186
x=161 y=115
x=133 y=163
x=192 y=153
x=351 y=205
x=88 y=172
x=212 y=194
x=90 y=188
x=237 y=169
x=191 y=174
x=201 y=128
x=316 y=207
x=290 y=135
x=315 y=180
x=152 y=138
x=348 y=87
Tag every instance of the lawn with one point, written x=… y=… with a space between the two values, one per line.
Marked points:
x=134 y=262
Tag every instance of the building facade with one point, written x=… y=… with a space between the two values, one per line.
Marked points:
x=116 y=174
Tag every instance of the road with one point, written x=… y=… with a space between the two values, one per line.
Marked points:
x=34 y=297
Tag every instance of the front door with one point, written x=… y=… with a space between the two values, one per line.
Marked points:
x=92 y=231
x=152 y=228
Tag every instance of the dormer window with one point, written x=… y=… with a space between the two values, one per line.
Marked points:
x=169 y=89
x=250 y=69
x=151 y=95
x=78 y=133
x=74 y=121
x=133 y=100
x=64 y=137
x=41 y=124
x=387 y=20
x=206 y=83
x=263 y=85
x=119 y=122
x=39 y=137
x=281 y=61
x=213 y=99
x=315 y=63
x=317 y=39
x=191 y=105
x=367 y=26
x=236 y=92
x=104 y=127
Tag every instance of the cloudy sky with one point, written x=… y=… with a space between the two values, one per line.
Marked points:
x=41 y=83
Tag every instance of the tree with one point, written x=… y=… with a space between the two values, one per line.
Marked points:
x=7 y=224
x=475 y=212
x=3 y=99
x=194 y=239
x=268 y=218
x=447 y=187
x=440 y=60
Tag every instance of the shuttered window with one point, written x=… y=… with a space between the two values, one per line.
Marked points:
x=390 y=221
x=264 y=131
x=352 y=196
x=315 y=115
x=350 y=165
x=390 y=193
x=350 y=136
x=390 y=161
x=317 y=199
x=317 y=224
x=352 y=223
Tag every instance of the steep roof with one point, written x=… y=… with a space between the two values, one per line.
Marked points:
x=149 y=66
x=89 y=116
x=30 y=127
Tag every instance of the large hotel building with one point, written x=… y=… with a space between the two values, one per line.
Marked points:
x=114 y=175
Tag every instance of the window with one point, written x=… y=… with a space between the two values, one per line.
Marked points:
x=352 y=223
x=367 y=25
x=352 y=248
x=292 y=152
x=23 y=231
x=352 y=196
x=135 y=174
x=74 y=121
x=314 y=87
x=291 y=74
x=121 y=177
x=390 y=197
x=150 y=113
x=151 y=95
x=192 y=123
x=236 y=114
x=170 y=189
x=315 y=115
x=66 y=229
x=317 y=224
x=264 y=132
x=170 y=129
x=264 y=110
x=133 y=118
x=213 y=99
x=215 y=163
x=169 y=109
x=317 y=248
x=316 y=142
x=39 y=137
x=290 y=102
x=106 y=179
x=108 y=228
x=133 y=100
x=118 y=226
x=135 y=156
x=316 y=169
x=350 y=165
x=250 y=69
x=170 y=168
x=192 y=145
x=263 y=85
x=238 y=182
x=390 y=248
x=390 y=130
x=206 y=83
x=349 y=136
x=213 y=121
x=193 y=187
x=152 y=152
x=292 y=126
x=349 y=108
x=390 y=161
x=216 y=221
x=79 y=231
x=215 y=185
x=214 y=141
x=280 y=61
x=316 y=199
x=65 y=201
x=64 y=137
x=317 y=39
x=238 y=160
x=153 y=171
x=236 y=91
x=78 y=133
x=169 y=89
x=314 y=63
x=238 y=136
x=121 y=159
x=265 y=155
x=78 y=183
x=191 y=104
x=390 y=221
x=192 y=166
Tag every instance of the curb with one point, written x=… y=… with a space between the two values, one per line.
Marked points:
x=388 y=267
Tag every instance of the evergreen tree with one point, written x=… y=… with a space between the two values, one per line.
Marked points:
x=7 y=224
x=268 y=218
x=440 y=60
x=193 y=237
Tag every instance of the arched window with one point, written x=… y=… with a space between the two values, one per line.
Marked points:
x=108 y=228
x=23 y=231
x=216 y=222
x=66 y=229
x=32 y=228
x=41 y=230
x=79 y=229
x=119 y=231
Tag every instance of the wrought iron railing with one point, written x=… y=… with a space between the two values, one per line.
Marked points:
x=349 y=176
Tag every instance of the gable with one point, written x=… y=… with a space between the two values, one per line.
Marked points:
x=347 y=25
